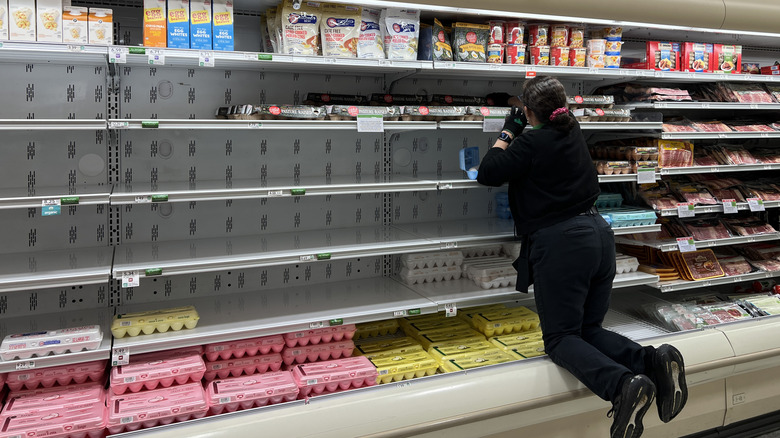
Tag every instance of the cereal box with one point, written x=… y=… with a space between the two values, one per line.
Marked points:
x=49 y=16
x=200 y=24
x=223 y=25
x=696 y=57
x=155 y=34
x=100 y=25
x=3 y=19
x=74 y=25
x=22 y=16
x=726 y=59
x=179 y=24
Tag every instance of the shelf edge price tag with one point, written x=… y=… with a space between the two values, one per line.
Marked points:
x=297 y=192
x=143 y=199
x=130 y=279
x=685 y=209
x=370 y=123
x=316 y=325
x=120 y=356
x=686 y=244
x=729 y=206
x=117 y=55
x=756 y=204
x=413 y=312
x=307 y=258
x=206 y=59
x=645 y=175
x=449 y=245
x=75 y=48
x=530 y=73
x=337 y=321
x=492 y=124
x=26 y=365
x=450 y=310
x=156 y=57
x=399 y=313
x=50 y=207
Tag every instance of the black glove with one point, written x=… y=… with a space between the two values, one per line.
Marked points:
x=498 y=99
x=515 y=122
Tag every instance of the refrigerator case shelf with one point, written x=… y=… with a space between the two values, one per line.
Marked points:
x=672 y=246
x=80 y=195
x=672 y=286
x=297 y=125
x=59 y=268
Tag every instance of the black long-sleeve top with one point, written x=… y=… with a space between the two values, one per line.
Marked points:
x=550 y=174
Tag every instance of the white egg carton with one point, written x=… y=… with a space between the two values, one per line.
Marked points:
x=625 y=264
x=511 y=250
x=27 y=345
x=493 y=276
x=482 y=251
x=468 y=264
x=429 y=275
x=432 y=259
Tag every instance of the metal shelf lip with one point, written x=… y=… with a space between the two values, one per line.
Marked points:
x=203 y=124
x=53 y=52
x=55 y=268
x=9 y=199
x=282 y=310
x=638 y=229
x=667 y=247
x=630 y=279
x=52 y=124
x=587 y=126
x=703 y=105
x=717 y=169
x=631 y=177
x=684 y=284
x=702 y=209
x=716 y=135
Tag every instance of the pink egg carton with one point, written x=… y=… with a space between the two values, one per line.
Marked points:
x=319 y=377
x=22 y=401
x=161 y=368
x=315 y=336
x=73 y=421
x=47 y=377
x=244 y=347
x=247 y=365
x=250 y=391
x=158 y=406
x=321 y=351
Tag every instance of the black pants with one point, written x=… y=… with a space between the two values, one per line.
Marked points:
x=574 y=265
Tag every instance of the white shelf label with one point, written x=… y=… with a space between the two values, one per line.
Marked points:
x=74 y=48
x=143 y=199
x=370 y=123
x=308 y=258
x=273 y=193
x=686 y=244
x=730 y=206
x=593 y=70
x=685 y=209
x=399 y=313
x=118 y=125
x=130 y=279
x=530 y=72
x=120 y=356
x=645 y=176
x=492 y=124
x=156 y=56
x=450 y=310
x=449 y=245
x=756 y=204
x=705 y=105
x=117 y=55
x=51 y=207
x=445 y=65
x=316 y=325
x=206 y=59
x=26 y=365
x=444 y=186
x=255 y=125
x=385 y=63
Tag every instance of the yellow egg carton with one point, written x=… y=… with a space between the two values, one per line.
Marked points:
x=400 y=351
x=384 y=345
x=500 y=322
x=514 y=340
x=405 y=366
x=475 y=360
x=133 y=324
x=469 y=313
x=376 y=328
x=528 y=350
x=450 y=350
x=415 y=330
x=447 y=335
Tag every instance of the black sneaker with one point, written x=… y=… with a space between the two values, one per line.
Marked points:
x=634 y=400
x=669 y=378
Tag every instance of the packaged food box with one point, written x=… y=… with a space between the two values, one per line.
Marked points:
x=79 y=420
x=663 y=56
x=630 y=216
x=604 y=167
x=515 y=53
x=402 y=33
x=726 y=58
x=451 y=350
x=469 y=313
x=696 y=57
x=514 y=31
x=516 y=340
x=771 y=70
x=321 y=351
x=492 y=275
x=481 y=251
x=450 y=99
x=528 y=351
x=22 y=20
x=613 y=47
x=559 y=56
x=576 y=37
x=200 y=25
x=223 y=369
x=429 y=275
x=155 y=34
x=538 y=34
x=448 y=335
x=495 y=53
x=559 y=35
x=592 y=101
x=371 y=44
x=179 y=24
x=404 y=366
x=244 y=347
x=385 y=345
x=295 y=112
x=229 y=395
x=382 y=99
x=351 y=112
x=595 y=61
x=222 y=21
x=433 y=112
x=74 y=25
x=611 y=61
x=63 y=375
x=577 y=57
x=340 y=28
x=133 y=324
x=3 y=19
x=700 y=265
x=602 y=115
x=470 y=41
x=417 y=328
x=49 y=16
x=315 y=336
x=596 y=46
x=394 y=352
x=496 y=35
x=539 y=55
x=162 y=368
x=375 y=328
x=319 y=377
x=37 y=344
x=100 y=26
x=625 y=264
x=158 y=406
x=22 y=401
x=506 y=321
x=469 y=264
x=475 y=360
x=479 y=113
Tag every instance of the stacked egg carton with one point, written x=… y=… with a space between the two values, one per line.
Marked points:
x=44 y=343
x=428 y=267
x=491 y=267
x=625 y=264
x=243 y=356
x=161 y=320
x=514 y=330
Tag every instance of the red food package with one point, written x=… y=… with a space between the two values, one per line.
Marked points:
x=663 y=56
x=559 y=56
x=515 y=53
x=696 y=57
x=496 y=32
x=726 y=58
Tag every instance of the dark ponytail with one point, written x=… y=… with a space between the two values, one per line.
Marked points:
x=546 y=97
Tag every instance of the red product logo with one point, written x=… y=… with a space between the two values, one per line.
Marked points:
x=485 y=111
x=389 y=98
x=353 y=111
x=424 y=110
x=275 y=110
x=599 y=111
x=325 y=97
x=448 y=99
x=440 y=36
x=578 y=99
x=471 y=37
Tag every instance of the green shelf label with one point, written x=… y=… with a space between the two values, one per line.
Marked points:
x=137 y=51
x=70 y=200
x=265 y=57
x=297 y=192
x=323 y=256
x=159 y=198
x=338 y=321
x=150 y=124
x=414 y=312
x=152 y=272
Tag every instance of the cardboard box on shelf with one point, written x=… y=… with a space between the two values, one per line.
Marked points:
x=155 y=34
x=663 y=56
x=223 y=25
x=696 y=57
x=22 y=21
x=3 y=19
x=49 y=21
x=200 y=24
x=726 y=58
x=179 y=24
x=100 y=25
x=74 y=25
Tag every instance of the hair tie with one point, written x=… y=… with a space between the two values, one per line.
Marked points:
x=558 y=112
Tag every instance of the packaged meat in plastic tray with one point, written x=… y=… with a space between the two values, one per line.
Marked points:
x=433 y=112
x=375 y=328
x=250 y=391
x=246 y=365
x=244 y=347
x=132 y=324
x=161 y=368
x=451 y=350
x=432 y=259
x=37 y=344
x=597 y=101
x=480 y=112
x=728 y=312
x=706 y=229
x=469 y=263
x=429 y=275
x=490 y=276
x=609 y=200
x=74 y=421
x=749 y=226
x=516 y=340
x=319 y=377
x=476 y=360
x=321 y=351
x=629 y=217
x=351 y=112
x=315 y=336
x=625 y=264
x=766 y=304
x=379 y=346
x=42 y=398
x=482 y=251
x=448 y=335
x=158 y=406
x=498 y=322
x=63 y=375
x=404 y=366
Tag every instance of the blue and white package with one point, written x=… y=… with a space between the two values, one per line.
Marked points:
x=402 y=33
x=179 y=24
x=469 y=161
x=200 y=24
x=223 y=25
x=370 y=41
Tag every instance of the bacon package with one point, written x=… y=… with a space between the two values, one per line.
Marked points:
x=251 y=391
x=158 y=406
x=223 y=369
x=706 y=229
x=675 y=153
x=162 y=368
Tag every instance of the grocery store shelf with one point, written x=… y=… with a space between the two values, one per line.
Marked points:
x=636 y=230
x=667 y=246
x=702 y=209
x=630 y=279
x=703 y=105
x=203 y=124
x=717 y=169
x=629 y=177
x=53 y=53
x=261 y=313
x=456 y=181
x=717 y=135
x=81 y=195
x=463 y=233
x=34 y=323
x=59 y=268
x=672 y=286
x=51 y=124
x=586 y=126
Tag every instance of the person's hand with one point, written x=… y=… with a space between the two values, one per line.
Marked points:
x=515 y=122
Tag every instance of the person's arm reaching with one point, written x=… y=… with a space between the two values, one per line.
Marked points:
x=504 y=161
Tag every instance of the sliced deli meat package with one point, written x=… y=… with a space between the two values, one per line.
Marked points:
x=340 y=30
x=301 y=28
x=370 y=40
x=402 y=32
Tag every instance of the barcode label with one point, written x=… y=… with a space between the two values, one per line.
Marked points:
x=223 y=400
x=126 y=420
x=311 y=382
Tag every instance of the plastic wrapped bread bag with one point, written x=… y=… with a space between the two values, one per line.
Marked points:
x=340 y=30
x=370 y=42
x=402 y=27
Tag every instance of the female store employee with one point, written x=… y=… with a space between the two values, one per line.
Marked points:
x=568 y=253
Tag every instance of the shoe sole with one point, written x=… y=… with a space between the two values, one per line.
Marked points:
x=634 y=427
x=672 y=393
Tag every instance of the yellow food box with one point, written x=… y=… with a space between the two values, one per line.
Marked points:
x=407 y=366
x=448 y=335
x=376 y=328
x=468 y=314
x=450 y=350
x=476 y=360
x=507 y=321
x=400 y=351
x=384 y=345
x=132 y=324
x=155 y=23
x=509 y=342
x=416 y=329
x=530 y=350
